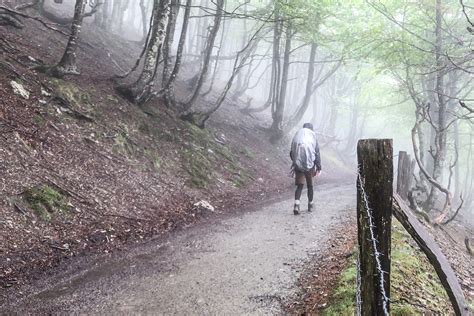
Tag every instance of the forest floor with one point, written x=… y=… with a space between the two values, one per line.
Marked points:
x=242 y=264
x=84 y=172
x=93 y=187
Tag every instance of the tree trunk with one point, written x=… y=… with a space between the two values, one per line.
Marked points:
x=98 y=16
x=207 y=54
x=353 y=122
x=200 y=118
x=308 y=91
x=143 y=20
x=168 y=88
x=121 y=18
x=276 y=63
x=105 y=15
x=116 y=7
x=271 y=88
x=440 y=155
x=239 y=83
x=140 y=90
x=168 y=44
x=277 y=125
x=67 y=65
x=216 y=62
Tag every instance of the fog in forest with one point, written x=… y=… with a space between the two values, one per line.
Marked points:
x=355 y=69
x=297 y=157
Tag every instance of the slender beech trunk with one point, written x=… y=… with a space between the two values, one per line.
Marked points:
x=116 y=7
x=168 y=44
x=277 y=125
x=245 y=80
x=207 y=54
x=276 y=82
x=351 y=144
x=468 y=179
x=168 y=88
x=98 y=16
x=239 y=80
x=216 y=62
x=453 y=91
x=67 y=65
x=140 y=90
x=199 y=118
x=309 y=88
x=121 y=18
x=105 y=15
x=271 y=87
x=143 y=20
x=440 y=155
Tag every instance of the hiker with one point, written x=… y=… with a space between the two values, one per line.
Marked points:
x=306 y=163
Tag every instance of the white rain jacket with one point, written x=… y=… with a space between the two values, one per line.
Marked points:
x=305 y=151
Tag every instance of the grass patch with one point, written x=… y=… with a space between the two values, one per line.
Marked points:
x=68 y=90
x=123 y=145
x=247 y=153
x=45 y=201
x=198 y=166
x=112 y=98
x=415 y=287
x=344 y=295
x=203 y=157
x=39 y=120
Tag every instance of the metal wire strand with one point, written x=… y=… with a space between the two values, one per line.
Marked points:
x=373 y=240
x=358 y=291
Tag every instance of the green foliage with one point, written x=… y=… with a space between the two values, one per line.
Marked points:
x=415 y=287
x=45 y=201
x=344 y=294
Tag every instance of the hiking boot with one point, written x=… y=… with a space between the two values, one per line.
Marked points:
x=310 y=207
x=296 y=209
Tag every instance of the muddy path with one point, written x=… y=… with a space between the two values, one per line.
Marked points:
x=242 y=264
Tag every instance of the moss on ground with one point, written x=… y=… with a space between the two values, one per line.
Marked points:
x=198 y=166
x=344 y=294
x=78 y=99
x=39 y=120
x=415 y=287
x=247 y=153
x=204 y=158
x=45 y=201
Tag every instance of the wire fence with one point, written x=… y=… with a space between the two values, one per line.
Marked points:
x=358 y=290
x=376 y=254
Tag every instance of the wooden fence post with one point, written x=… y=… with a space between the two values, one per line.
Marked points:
x=404 y=175
x=374 y=199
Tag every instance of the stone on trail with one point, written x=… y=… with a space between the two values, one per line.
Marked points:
x=204 y=205
x=18 y=89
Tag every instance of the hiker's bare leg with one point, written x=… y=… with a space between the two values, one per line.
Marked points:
x=309 y=183
x=299 y=190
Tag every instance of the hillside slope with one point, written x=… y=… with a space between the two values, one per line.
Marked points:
x=85 y=171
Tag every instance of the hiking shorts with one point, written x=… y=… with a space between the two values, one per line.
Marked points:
x=302 y=177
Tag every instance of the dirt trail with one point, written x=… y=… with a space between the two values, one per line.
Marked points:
x=246 y=264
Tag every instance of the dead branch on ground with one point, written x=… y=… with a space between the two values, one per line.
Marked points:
x=51 y=26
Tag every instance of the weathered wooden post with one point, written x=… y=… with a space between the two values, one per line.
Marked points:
x=404 y=175
x=374 y=219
